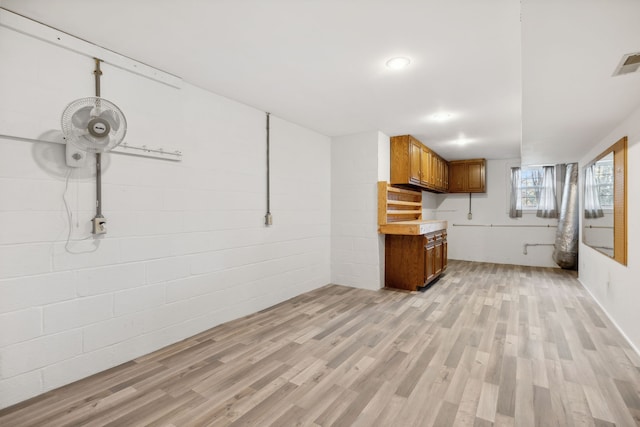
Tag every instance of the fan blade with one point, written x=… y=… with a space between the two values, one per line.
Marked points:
x=113 y=119
x=80 y=118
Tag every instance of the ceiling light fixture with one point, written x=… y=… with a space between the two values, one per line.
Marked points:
x=441 y=117
x=398 y=63
x=463 y=140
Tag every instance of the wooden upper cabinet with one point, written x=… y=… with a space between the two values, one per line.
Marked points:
x=457 y=175
x=445 y=175
x=475 y=174
x=467 y=176
x=425 y=167
x=414 y=164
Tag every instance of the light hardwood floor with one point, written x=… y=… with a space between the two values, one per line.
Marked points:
x=486 y=345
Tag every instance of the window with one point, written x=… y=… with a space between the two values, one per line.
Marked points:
x=533 y=189
x=530 y=185
x=603 y=177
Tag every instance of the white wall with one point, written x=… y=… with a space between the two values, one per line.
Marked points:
x=186 y=247
x=384 y=174
x=601 y=238
x=616 y=287
x=502 y=245
x=357 y=250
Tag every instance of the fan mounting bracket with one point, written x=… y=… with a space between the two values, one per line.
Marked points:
x=75 y=157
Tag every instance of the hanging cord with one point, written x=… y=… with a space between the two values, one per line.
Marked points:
x=70 y=219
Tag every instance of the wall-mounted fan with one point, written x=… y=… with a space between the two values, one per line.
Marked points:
x=91 y=125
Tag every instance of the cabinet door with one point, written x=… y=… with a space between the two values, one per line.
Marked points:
x=445 y=176
x=444 y=254
x=475 y=177
x=457 y=177
x=415 y=152
x=425 y=166
x=437 y=258
x=429 y=263
x=440 y=173
x=434 y=171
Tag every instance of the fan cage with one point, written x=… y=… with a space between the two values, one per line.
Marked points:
x=80 y=137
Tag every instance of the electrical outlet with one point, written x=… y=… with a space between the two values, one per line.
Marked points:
x=99 y=225
x=469 y=215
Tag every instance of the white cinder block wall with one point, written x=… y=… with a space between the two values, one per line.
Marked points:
x=186 y=247
x=615 y=286
x=357 y=251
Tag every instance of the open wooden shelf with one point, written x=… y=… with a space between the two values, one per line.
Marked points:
x=403 y=212
x=403 y=203
x=398 y=204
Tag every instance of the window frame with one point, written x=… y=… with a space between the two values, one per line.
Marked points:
x=536 y=188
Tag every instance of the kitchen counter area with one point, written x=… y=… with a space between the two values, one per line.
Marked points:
x=413 y=228
x=415 y=249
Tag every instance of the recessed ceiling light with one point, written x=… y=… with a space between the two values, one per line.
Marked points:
x=463 y=141
x=441 y=117
x=398 y=63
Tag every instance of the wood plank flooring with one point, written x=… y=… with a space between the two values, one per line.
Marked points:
x=486 y=345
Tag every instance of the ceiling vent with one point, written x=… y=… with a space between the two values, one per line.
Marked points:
x=630 y=63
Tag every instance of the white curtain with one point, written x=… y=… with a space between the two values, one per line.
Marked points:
x=515 y=201
x=547 y=204
x=592 y=208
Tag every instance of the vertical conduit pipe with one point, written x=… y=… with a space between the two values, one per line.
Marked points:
x=268 y=219
x=97 y=72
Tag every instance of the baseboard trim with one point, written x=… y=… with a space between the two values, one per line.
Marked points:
x=611 y=319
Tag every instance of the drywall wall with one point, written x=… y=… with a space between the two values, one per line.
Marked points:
x=357 y=250
x=384 y=174
x=616 y=287
x=186 y=248
x=473 y=239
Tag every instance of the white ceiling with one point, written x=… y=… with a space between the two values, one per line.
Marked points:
x=542 y=86
x=570 y=50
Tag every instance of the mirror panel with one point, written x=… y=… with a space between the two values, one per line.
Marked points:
x=597 y=226
x=604 y=224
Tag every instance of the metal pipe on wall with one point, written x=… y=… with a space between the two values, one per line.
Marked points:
x=504 y=225
x=526 y=245
x=268 y=218
x=98 y=222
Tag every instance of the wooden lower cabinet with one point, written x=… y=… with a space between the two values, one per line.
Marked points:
x=429 y=265
x=444 y=252
x=412 y=262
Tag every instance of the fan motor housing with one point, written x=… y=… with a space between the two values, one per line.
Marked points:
x=99 y=127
